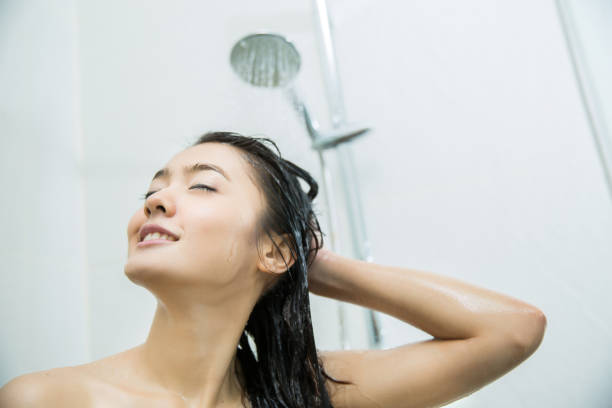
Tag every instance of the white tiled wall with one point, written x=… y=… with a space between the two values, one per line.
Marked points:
x=43 y=280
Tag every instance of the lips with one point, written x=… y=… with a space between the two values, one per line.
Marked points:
x=151 y=228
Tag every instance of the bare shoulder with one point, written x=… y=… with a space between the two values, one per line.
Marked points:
x=112 y=381
x=86 y=385
x=54 y=387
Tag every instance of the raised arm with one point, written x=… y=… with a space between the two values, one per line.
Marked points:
x=479 y=334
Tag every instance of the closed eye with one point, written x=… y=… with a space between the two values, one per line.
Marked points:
x=204 y=186
x=200 y=186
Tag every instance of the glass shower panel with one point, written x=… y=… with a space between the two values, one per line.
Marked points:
x=588 y=32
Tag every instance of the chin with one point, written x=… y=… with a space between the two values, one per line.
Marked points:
x=136 y=274
x=141 y=272
x=158 y=272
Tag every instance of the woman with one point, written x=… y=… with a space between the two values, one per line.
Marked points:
x=228 y=243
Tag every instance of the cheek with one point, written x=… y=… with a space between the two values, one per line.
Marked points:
x=223 y=239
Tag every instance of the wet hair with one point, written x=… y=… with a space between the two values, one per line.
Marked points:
x=284 y=370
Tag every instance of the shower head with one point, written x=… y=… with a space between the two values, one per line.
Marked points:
x=269 y=60
x=265 y=60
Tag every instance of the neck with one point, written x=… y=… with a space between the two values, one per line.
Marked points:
x=191 y=350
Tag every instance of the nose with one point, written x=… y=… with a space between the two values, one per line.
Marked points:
x=159 y=201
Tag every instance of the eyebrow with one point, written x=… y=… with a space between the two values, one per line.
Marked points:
x=165 y=172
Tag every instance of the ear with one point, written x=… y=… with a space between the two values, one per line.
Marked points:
x=273 y=257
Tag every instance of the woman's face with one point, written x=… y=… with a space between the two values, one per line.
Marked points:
x=215 y=250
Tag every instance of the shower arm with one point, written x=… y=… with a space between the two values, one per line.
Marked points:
x=312 y=126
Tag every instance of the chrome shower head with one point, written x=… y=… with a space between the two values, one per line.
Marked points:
x=269 y=60
x=265 y=60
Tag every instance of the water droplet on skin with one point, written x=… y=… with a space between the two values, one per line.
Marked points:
x=231 y=252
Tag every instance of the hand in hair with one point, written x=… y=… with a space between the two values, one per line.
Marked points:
x=478 y=334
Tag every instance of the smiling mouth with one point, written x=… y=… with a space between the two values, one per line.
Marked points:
x=156 y=238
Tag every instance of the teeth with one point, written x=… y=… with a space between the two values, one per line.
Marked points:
x=157 y=235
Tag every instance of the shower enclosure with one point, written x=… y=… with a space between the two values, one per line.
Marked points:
x=587 y=30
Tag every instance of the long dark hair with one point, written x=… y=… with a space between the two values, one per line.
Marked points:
x=285 y=370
